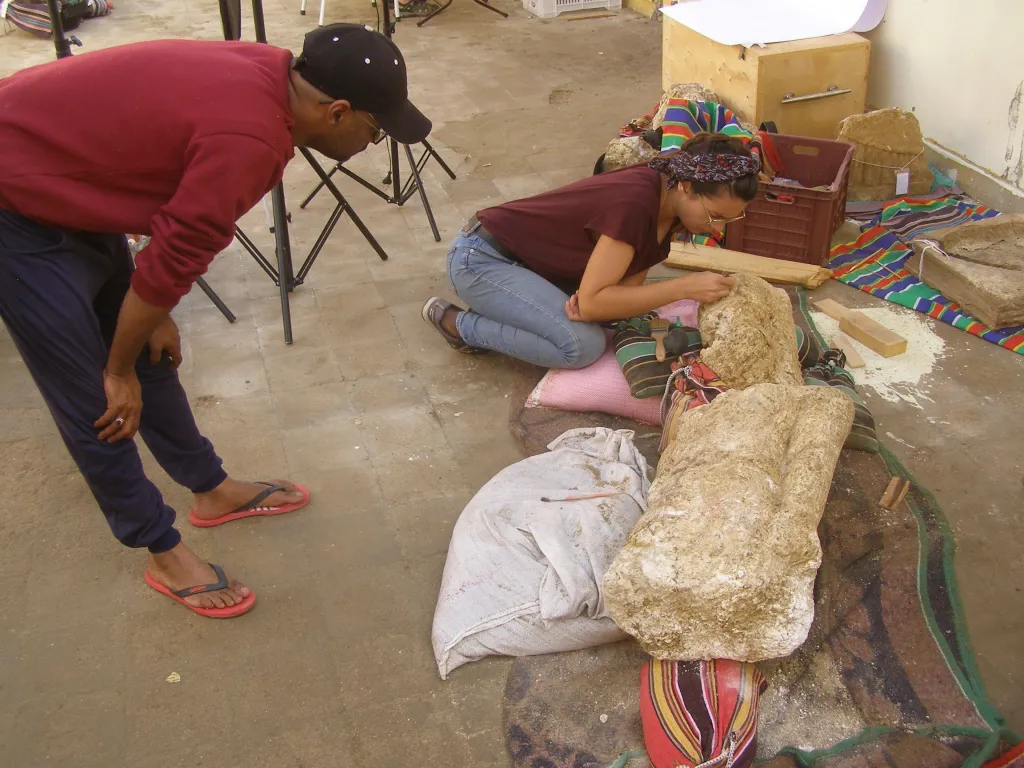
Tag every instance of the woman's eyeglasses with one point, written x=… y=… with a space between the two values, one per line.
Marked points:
x=718 y=222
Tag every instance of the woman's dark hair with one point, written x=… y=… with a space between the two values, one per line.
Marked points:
x=744 y=187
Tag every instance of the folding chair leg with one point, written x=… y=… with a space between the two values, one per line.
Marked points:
x=323 y=4
x=266 y=212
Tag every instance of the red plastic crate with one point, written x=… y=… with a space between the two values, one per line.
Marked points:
x=797 y=223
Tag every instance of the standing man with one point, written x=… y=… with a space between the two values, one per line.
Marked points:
x=173 y=139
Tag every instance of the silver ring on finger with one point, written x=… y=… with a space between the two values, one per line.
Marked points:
x=119 y=421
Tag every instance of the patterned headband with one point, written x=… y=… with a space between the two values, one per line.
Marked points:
x=682 y=166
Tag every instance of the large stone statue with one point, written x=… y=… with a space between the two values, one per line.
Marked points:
x=722 y=564
x=749 y=336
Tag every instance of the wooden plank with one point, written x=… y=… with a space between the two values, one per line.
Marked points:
x=853 y=359
x=872 y=335
x=590 y=16
x=702 y=257
x=833 y=309
x=894 y=494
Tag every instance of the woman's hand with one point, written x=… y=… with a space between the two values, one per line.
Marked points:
x=124 y=407
x=707 y=287
x=572 y=308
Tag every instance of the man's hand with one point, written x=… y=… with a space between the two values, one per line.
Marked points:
x=707 y=287
x=124 y=407
x=165 y=339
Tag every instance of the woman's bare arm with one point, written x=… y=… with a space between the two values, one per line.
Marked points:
x=606 y=294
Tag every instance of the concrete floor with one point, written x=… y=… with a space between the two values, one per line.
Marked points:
x=393 y=433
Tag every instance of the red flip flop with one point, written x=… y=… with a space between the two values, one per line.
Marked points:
x=252 y=507
x=213 y=613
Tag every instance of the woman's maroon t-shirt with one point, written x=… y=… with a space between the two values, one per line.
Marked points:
x=555 y=232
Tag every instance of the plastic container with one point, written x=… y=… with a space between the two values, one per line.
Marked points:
x=797 y=223
x=548 y=9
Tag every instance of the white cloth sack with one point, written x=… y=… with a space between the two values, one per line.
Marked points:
x=523 y=576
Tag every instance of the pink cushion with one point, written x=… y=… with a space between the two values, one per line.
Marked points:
x=601 y=385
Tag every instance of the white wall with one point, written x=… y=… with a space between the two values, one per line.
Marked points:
x=959 y=66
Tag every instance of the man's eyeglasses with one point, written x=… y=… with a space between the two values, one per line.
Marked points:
x=378 y=132
x=718 y=222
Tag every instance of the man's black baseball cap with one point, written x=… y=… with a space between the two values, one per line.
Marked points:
x=353 y=63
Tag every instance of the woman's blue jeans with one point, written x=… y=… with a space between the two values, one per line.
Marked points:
x=516 y=311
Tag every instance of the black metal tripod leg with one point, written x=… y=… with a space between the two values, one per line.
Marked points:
x=490 y=7
x=341 y=199
x=318 y=187
x=284 y=258
x=433 y=14
x=367 y=234
x=217 y=301
x=423 y=193
x=441 y=162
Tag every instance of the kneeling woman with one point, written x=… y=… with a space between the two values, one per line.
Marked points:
x=518 y=264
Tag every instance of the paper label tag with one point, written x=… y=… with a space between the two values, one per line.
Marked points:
x=902 y=182
x=3 y=8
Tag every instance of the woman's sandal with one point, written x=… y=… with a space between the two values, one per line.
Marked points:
x=433 y=312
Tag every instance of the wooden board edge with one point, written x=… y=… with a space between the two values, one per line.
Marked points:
x=725 y=261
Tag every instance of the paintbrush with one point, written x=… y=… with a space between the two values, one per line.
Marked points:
x=583 y=496
x=659 y=330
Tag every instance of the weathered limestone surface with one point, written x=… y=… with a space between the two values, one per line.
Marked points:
x=723 y=563
x=996 y=242
x=885 y=141
x=624 y=152
x=983 y=269
x=749 y=336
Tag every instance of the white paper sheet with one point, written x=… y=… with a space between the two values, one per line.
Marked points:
x=759 y=22
x=874 y=10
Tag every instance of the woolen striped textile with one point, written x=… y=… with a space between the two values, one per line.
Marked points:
x=635 y=351
x=829 y=373
x=875 y=263
x=700 y=713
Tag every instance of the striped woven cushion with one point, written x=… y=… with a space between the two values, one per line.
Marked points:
x=829 y=374
x=635 y=353
x=809 y=351
x=693 y=712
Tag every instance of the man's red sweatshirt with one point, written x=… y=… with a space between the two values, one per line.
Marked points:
x=174 y=138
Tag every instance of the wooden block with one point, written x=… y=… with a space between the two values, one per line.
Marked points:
x=703 y=257
x=872 y=335
x=833 y=309
x=894 y=494
x=853 y=358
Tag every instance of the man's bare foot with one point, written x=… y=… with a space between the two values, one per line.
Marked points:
x=231 y=494
x=181 y=568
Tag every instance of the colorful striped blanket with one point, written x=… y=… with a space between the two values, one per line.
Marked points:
x=684 y=119
x=875 y=262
